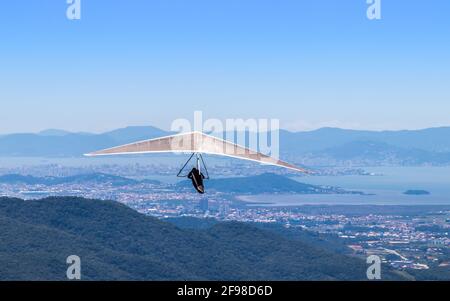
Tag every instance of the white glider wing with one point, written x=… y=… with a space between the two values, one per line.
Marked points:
x=195 y=142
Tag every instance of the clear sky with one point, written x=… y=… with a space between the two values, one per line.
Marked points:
x=146 y=62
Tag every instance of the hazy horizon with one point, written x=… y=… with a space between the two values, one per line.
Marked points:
x=168 y=129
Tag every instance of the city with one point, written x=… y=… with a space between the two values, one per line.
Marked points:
x=403 y=238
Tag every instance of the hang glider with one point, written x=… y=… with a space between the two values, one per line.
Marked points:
x=196 y=143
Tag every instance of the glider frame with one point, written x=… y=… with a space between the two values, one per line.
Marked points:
x=199 y=160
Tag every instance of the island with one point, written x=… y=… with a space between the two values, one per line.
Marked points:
x=417 y=192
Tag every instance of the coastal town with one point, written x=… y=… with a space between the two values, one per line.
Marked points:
x=404 y=240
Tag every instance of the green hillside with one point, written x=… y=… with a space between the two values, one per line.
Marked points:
x=117 y=243
x=266 y=183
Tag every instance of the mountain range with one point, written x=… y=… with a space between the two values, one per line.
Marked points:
x=414 y=147
x=56 y=143
x=115 y=242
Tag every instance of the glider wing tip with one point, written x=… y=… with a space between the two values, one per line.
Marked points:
x=310 y=172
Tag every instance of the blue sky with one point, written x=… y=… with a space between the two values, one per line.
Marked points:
x=309 y=63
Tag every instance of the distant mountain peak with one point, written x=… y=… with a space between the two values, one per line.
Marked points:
x=135 y=133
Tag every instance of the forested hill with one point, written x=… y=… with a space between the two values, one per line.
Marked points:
x=266 y=183
x=118 y=243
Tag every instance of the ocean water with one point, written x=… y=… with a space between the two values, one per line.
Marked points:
x=388 y=188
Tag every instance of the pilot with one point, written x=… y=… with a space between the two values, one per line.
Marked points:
x=197 y=180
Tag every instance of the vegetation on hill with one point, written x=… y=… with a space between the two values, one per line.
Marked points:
x=267 y=183
x=117 y=243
